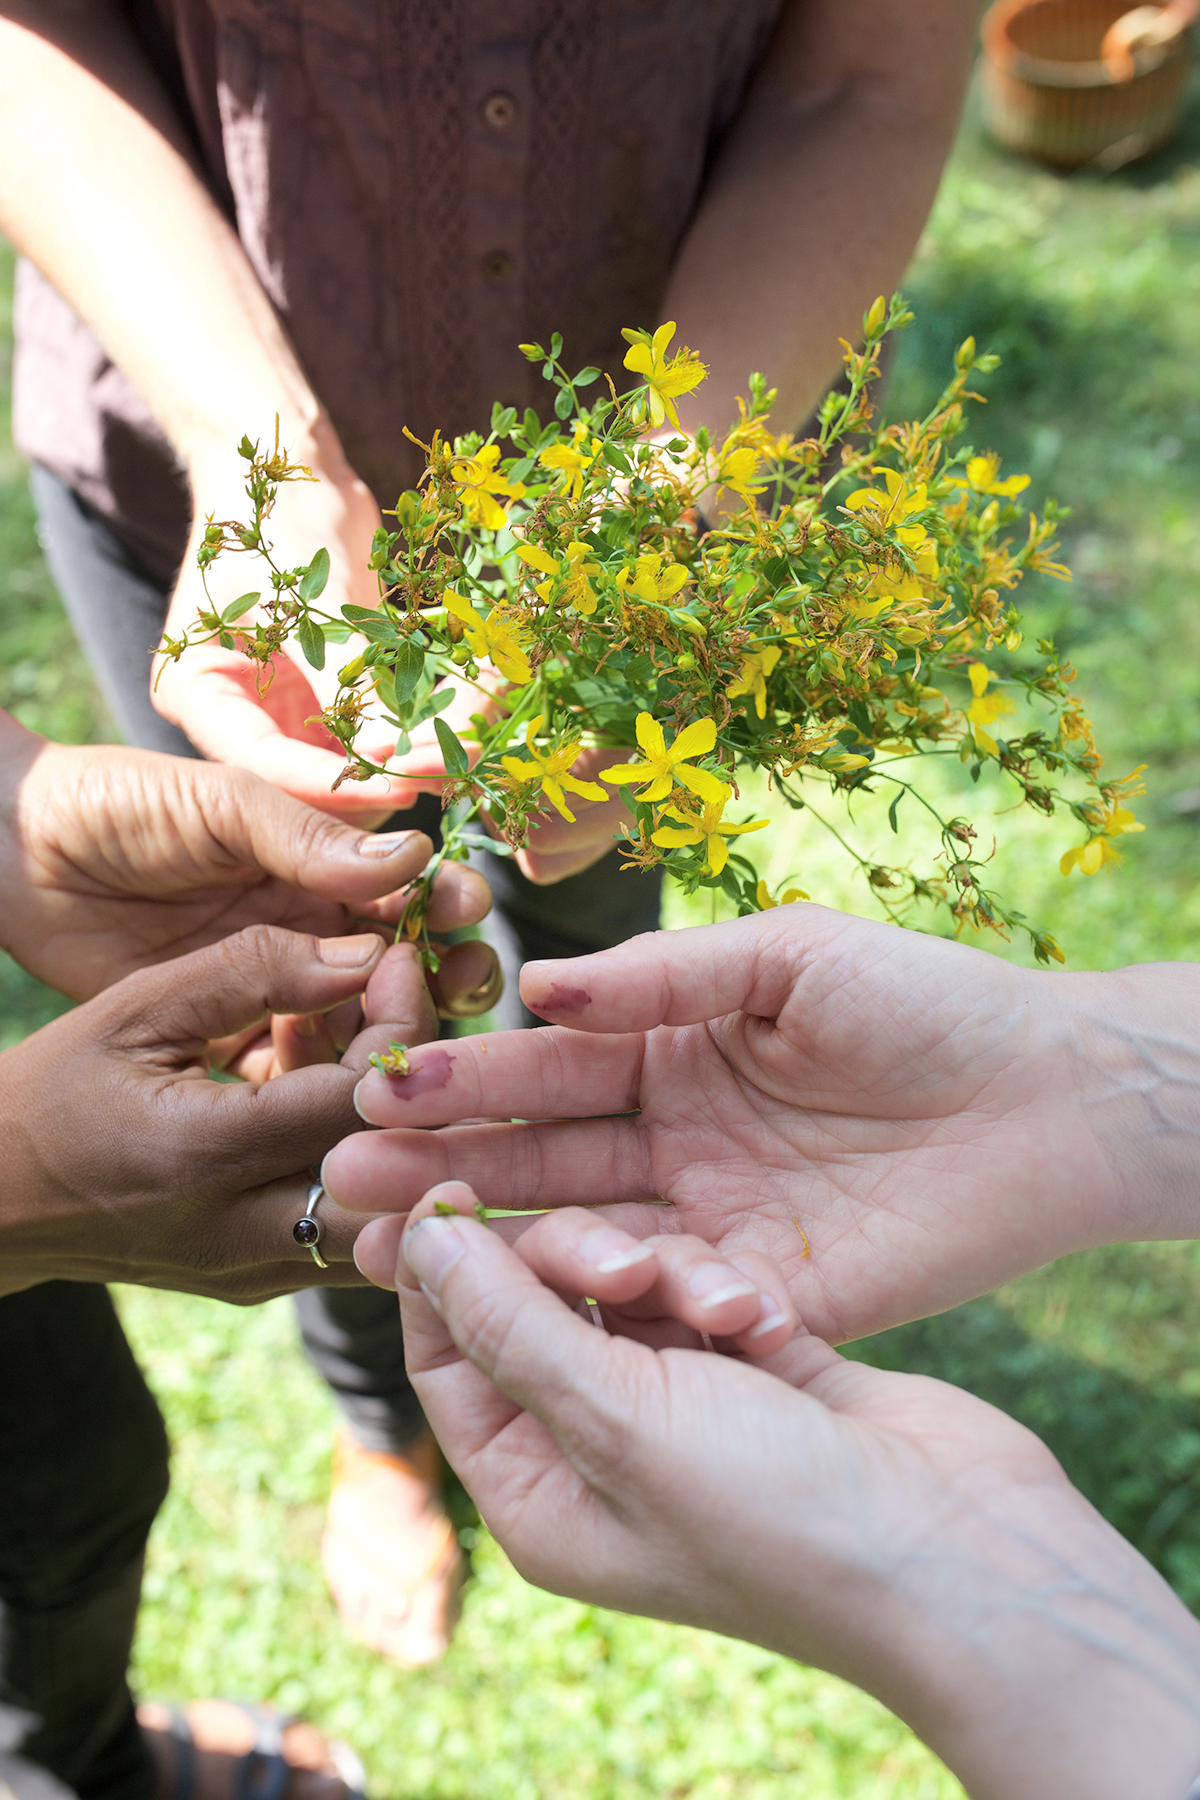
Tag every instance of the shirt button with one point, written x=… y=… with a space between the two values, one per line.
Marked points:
x=497 y=265
x=499 y=111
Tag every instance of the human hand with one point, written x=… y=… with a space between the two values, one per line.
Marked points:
x=214 y=694
x=111 y=859
x=122 y=1162
x=889 y=1528
x=898 y=1122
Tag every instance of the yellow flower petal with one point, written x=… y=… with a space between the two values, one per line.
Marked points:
x=696 y=739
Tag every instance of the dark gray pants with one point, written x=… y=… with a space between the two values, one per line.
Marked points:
x=83 y=1456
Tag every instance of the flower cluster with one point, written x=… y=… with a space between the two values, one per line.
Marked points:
x=820 y=609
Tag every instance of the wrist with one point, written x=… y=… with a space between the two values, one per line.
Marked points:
x=217 y=472
x=1137 y=1042
x=1037 y=1652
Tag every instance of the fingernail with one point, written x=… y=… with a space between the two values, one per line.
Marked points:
x=306 y=1025
x=432 y=1246
x=387 y=843
x=608 y=1250
x=349 y=952
x=770 y=1318
x=712 y=1285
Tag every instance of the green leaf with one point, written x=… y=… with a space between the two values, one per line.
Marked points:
x=900 y=793
x=408 y=666
x=556 y=343
x=238 y=607
x=379 y=627
x=503 y=419
x=453 y=752
x=492 y=847
x=564 y=402
x=586 y=376
x=312 y=642
x=312 y=582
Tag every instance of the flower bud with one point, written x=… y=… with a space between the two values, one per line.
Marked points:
x=873 y=321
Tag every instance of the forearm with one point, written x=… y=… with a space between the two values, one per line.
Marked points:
x=1135 y=1048
x=1049 y=1661
x=817 y=200
x=99 y=188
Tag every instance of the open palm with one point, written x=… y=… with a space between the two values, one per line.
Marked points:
x=900 y=1123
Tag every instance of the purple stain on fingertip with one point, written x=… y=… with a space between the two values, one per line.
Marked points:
x=425 y=1077
x=561 y=1000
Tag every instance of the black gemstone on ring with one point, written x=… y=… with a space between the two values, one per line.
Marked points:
x=306 y=1232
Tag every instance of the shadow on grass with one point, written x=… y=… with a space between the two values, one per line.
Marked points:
x=1133 y=1450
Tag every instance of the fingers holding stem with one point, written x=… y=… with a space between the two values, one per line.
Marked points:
x=667 y=1291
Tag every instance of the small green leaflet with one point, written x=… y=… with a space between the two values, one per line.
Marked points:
x=312 y=583
x=892 y=810
x=238 y=607
x=453 y=752
x=312 y=642
x=407 y=668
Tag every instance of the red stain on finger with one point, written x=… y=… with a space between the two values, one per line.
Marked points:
x=431 y=1073
x=562 y=1000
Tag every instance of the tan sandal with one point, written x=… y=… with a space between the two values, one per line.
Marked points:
x=390 y=1554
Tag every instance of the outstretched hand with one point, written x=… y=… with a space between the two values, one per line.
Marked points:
x=898 y=1122
x=887 y=1527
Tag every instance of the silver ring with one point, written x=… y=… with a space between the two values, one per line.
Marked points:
x=308 y=1231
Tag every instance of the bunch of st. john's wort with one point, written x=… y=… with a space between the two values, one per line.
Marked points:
x=650 y=613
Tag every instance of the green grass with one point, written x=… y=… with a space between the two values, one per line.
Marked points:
x=1090 y=289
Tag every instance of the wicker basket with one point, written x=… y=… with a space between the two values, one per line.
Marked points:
x=1049 y=93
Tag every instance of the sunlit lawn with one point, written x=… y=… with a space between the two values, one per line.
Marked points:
x=1090 y=289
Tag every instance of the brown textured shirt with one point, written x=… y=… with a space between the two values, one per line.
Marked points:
x=419 y=185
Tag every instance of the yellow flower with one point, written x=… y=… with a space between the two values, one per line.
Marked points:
x=574 y=568
x=707 y=829
x=985 y=708
x=654 y=579
x=1089 y=857
x=762 y=894
x=664 y=380
x=894 y=502
x=496 y=638
x=549 y=768
x=572 y=460
x=478 y=483
x=664 y=767
x=757 y=666
x=903 y=586
x=981 y=475
x=736 y=470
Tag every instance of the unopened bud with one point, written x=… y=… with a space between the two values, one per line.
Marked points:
x=873 y=321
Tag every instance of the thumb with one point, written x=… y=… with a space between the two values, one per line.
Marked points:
x=462 y=1288
x=683 y=977
x=259 y=824
x=230 y=986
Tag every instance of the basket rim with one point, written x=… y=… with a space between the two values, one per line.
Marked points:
x=1047 y=71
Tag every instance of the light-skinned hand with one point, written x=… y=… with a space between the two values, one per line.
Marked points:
x=898 y=1122
x=886 y=1527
